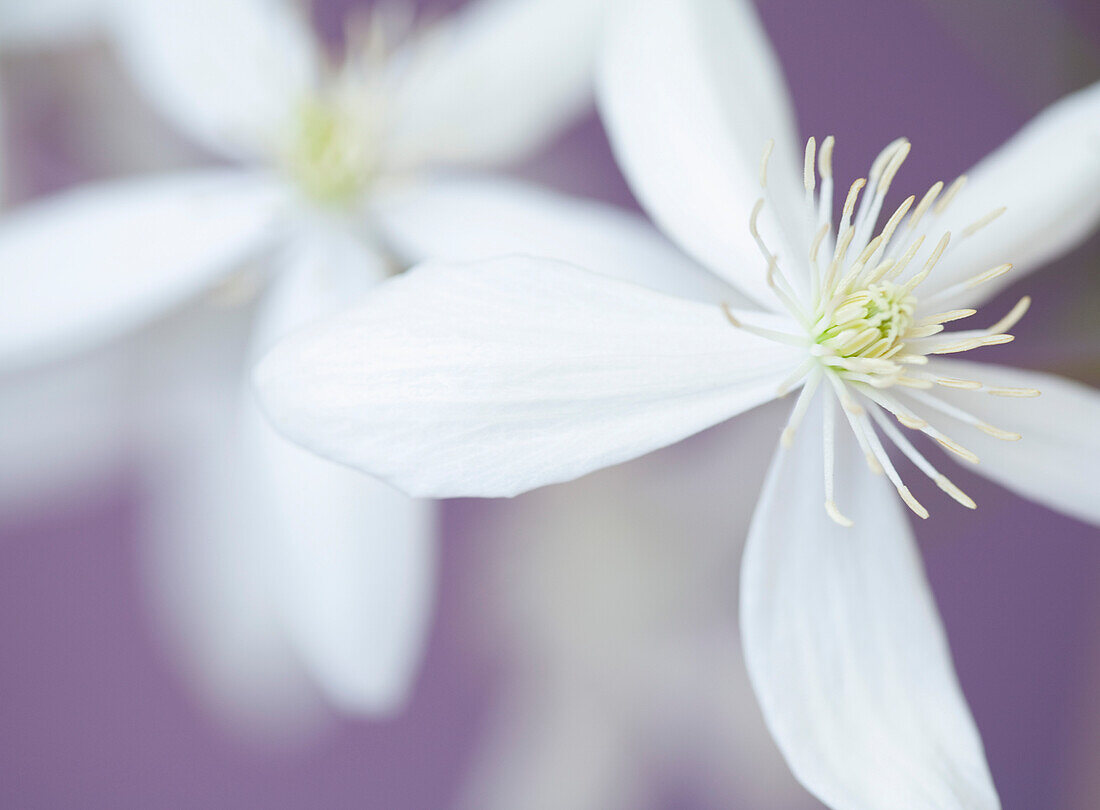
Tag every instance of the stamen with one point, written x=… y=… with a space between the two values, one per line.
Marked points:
x=997 y=433
x=973 y=343
x=899 y=268
x=964 y=416
x=798 y=413
x=952 y=445
x=852 y=412
x=926 y=202
x=768 y=334
x=808 y=178
x=768 y=147
x=1014 y=392
x=952 y=192
x=901 y=413
x=891 y=473
x=850 y=204
x=913 y=382
x=920 y=461
x=924 y=331
x=1013 y=317
x=825 y=158
x=815 y=246
x=916 y=280
x=804 y=368
x=944 y=483
x=872 y=205
x=974 y=227
x=948 y=317
x=951 y=382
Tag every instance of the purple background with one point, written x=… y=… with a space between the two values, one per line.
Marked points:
x=92 y=714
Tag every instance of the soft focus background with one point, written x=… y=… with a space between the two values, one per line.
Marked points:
x=584 y=653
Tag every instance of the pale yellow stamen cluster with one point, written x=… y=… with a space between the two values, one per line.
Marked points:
x=333 y=150
x=859 y=310
x=332 y=154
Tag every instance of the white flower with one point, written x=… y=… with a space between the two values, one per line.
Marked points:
x=502 y=376
x=324 y=152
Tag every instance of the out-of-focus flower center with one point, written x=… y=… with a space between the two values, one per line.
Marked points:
x=332 y=154
x=867 y=332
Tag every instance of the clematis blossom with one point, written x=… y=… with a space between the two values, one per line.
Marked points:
x=276 y=566
x=497 y=377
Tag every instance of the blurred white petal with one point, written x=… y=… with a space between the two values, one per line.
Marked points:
x=87 y=266
x=64 y=430
x=555 y=749
x=1056 y=460
x=34 y=23
x=844 y=646
x=495 y=81
x=602 y=602
x=471 y=218
x=228 y=72
x=690 y=93
x=491 y=379
x=1046 y=177
x=210 y=577
x=355 y=558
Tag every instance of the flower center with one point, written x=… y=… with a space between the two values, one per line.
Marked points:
x=868 y=323
x=865 y=330
x=332 y=154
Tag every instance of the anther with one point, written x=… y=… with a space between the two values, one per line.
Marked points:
x=808 y=178
x=965 y=385
x=1014 y=392
x=926 y=202
x=948 y=317
x=974 y=227
x=834 y=513
x=944 y=483
x=1013 y=317
x=912 y=502
x=825 y=157
x=952 y=192
x=988 y=275
x=911 y=422
x=768 y=147
x=954 y=447
x=997 y=433
x=924 y=331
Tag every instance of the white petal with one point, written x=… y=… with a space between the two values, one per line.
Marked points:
x=690 y=93
x=41 y=22
x=1046 y=176
x=89 y=265
x=497 y=378
x=209 y=577
x=844 y=646
x=355 y=558
x=228 y=72
x=468 y=218
x=495 y=81
x=1055 y=461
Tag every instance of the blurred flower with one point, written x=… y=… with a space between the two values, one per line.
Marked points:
x=608 y=606
x=285 y=562
x=69 y=431
x=527 y=372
